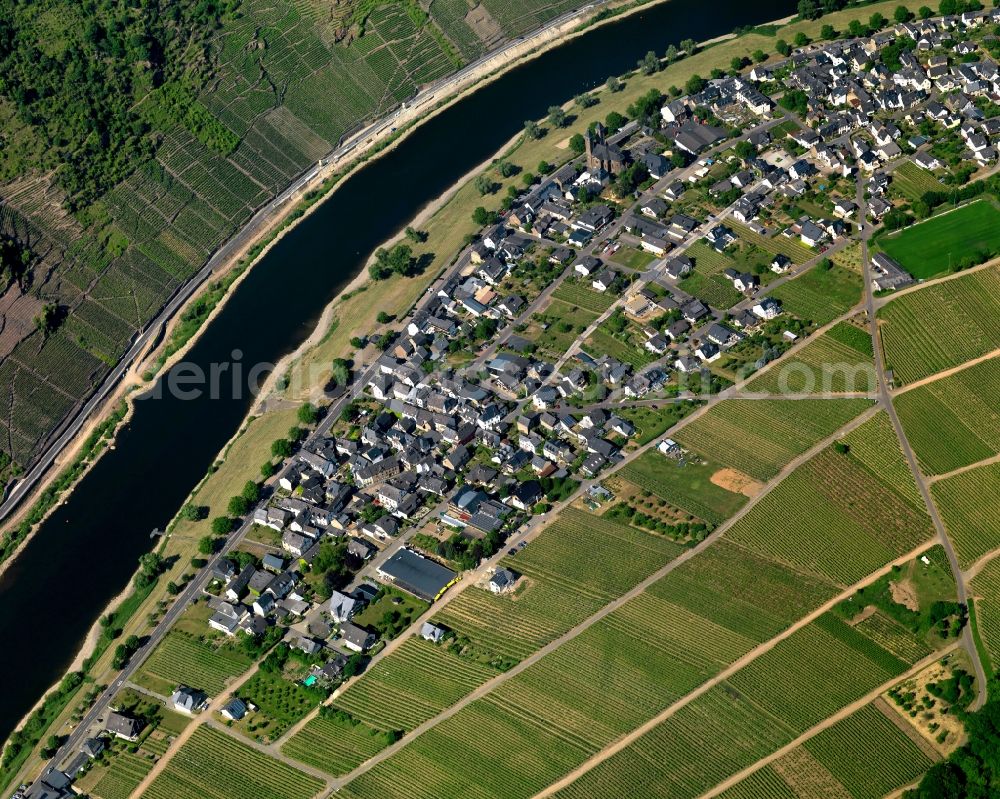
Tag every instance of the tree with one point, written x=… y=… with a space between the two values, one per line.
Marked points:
x=484 y=185
x=307 y=413
x=532 y=129
x=694 y=84
x=543 y=168
x=671 y=53
x=173 y=589
x=649 y=64
x=251 y=491
x=528 y=178
x=190 y=512
x=744 y=149
x=383 y=318
x=281 y=448
x=801 y=40
x=398 y=260
x=222 y=525
x=577 y=144
x=507 y=169
x=585 y=100
x=614 y=84
x=902 y=14
x=759 y=56
x=48 y=320
x=416 y=236
x=688 y=46
x=948 y=7
x=238 y=506
x=876 y=21
x=558 y=118
x=737 y=63
x=828 y=32
x=357 y=342
x=782 y=47
x=855 y=28
x=809 y=9
x=206 y=545
x=482 y=217
x=267 y=469
x=341 y=371
x=614 y=121
x=925 y=12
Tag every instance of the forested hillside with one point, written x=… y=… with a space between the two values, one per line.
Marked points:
x=137 y=135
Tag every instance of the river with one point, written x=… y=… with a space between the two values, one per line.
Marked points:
x=87 y=550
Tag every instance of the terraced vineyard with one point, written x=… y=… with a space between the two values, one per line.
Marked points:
x=182 y=659
x=335 y=744
x=581 y=295
x=968 y=503
x=758 y=437
x=833 y=518
x=418 y=682
x=211 y=764
x=785 y=245
x=986 y=591
x=841 y=360
x=820 y=295
x=864 y=756
x=913 y=182
x=122 y=776
x=960 y=409
x=942 y=325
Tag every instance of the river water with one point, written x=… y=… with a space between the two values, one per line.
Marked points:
x=87 y=551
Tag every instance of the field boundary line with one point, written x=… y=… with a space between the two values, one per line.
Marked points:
x=763 y=648
x=949 y=372
x=609 y=608
x=829 y=721
x=881 y=302
x=963 y=469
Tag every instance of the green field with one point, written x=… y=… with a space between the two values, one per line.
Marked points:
x=868 y=754
x=840 y=360
x=914 y=182
x=835 y=517
x=820 y=295
x=213 y=765
x=687 y=486
x=968 y=505
x=942 y=325
x=566 y=321
x=759 y=437
x=961 y=410
x=941 y=243
x=181 y=658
